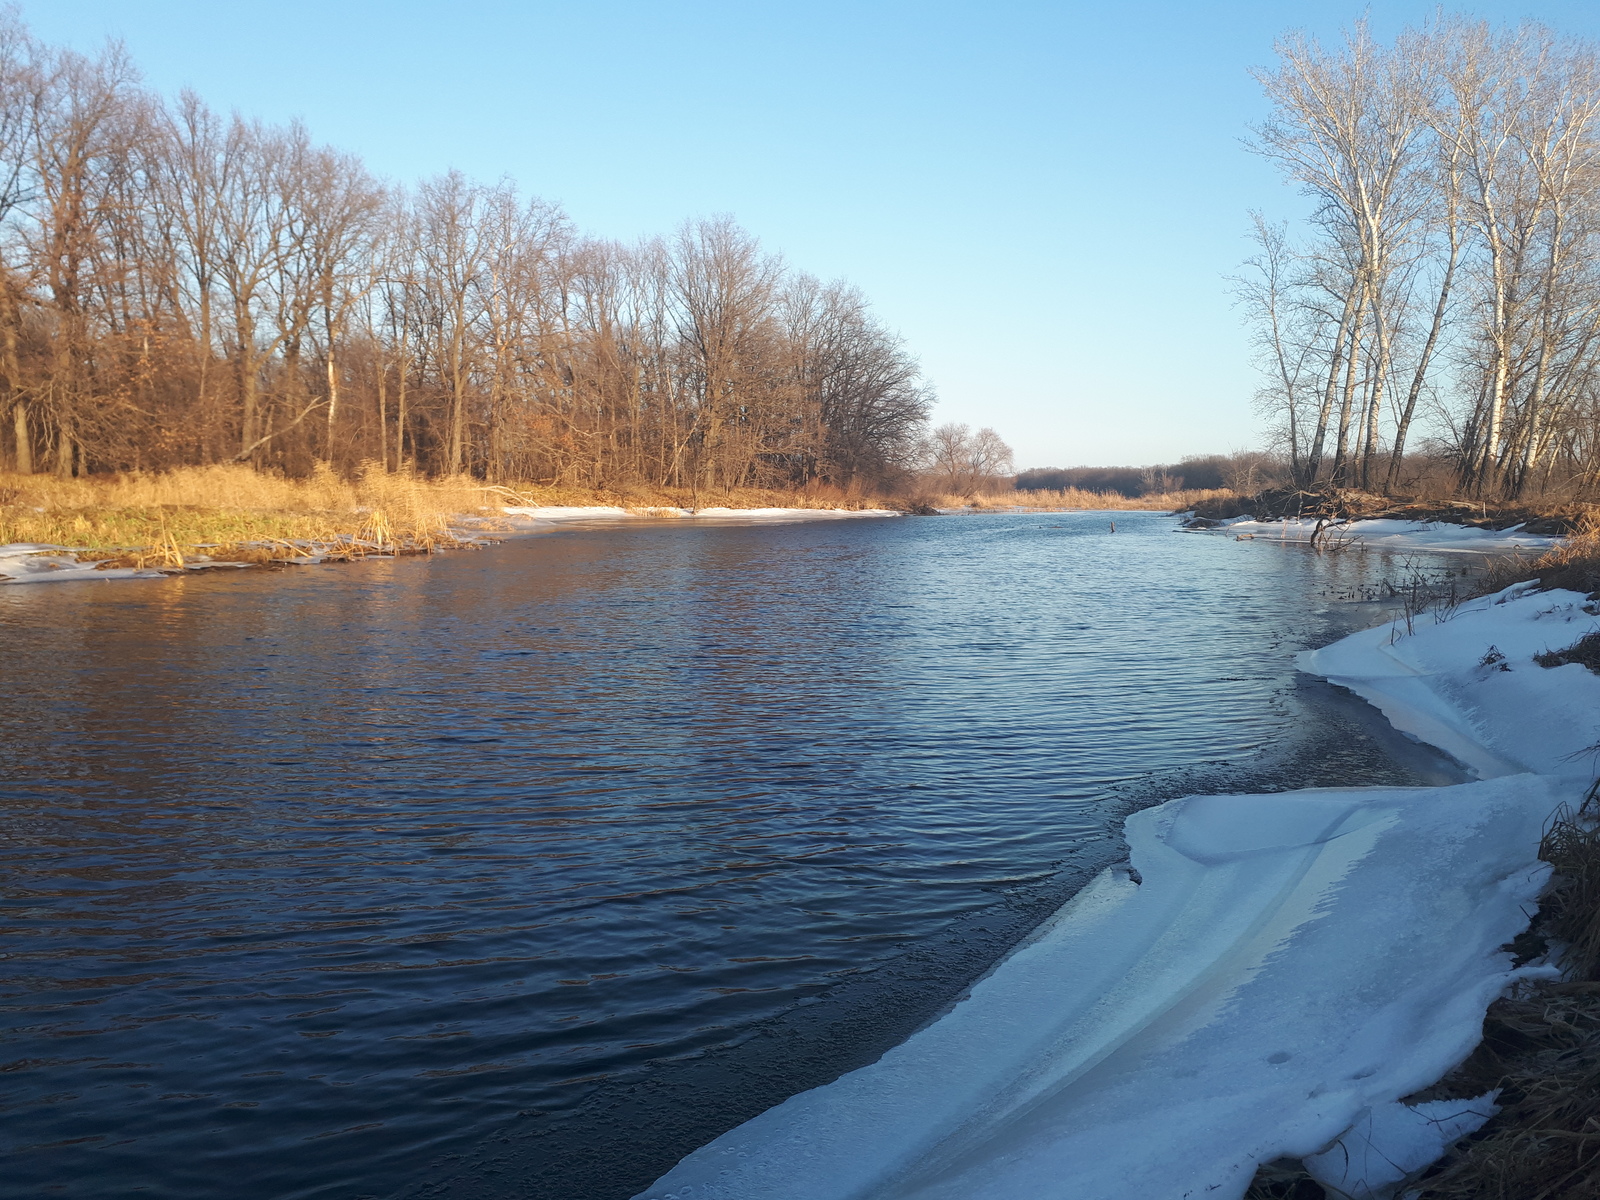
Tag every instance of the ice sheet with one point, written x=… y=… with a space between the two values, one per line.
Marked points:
x=1395 y=535
x=1465 y=680
x=1289 y=964
x=36 y=562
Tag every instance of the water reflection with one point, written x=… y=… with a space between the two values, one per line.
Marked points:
x=311 y=878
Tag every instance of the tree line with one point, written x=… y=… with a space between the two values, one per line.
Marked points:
x=1445 y=293
x=179 y=287
x=1243 y=471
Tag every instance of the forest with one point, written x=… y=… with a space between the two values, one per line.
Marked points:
x=183 y=288
x=1443 y=295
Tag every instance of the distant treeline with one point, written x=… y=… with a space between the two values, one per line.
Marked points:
x=1244 y=472
x=177 y=287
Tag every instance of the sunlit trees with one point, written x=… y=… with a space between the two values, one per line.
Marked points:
x=1452 y=263
x=181 y=287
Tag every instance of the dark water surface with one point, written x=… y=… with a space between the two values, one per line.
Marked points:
x=524 y=872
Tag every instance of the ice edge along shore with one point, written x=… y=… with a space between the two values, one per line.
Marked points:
x=1267 y=978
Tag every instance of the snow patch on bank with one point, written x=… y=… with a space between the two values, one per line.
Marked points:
x=1290 y=966
x=1436 y=536
x=1464 y=680
x=30 y=562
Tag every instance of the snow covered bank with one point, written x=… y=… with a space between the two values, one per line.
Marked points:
x=1290 y=966
x=1389 y=534
x=750 y=515
x=34 y=562
x=1464 y=680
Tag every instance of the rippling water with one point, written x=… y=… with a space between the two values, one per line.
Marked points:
x=523 y=872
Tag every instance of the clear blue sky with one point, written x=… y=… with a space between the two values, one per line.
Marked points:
x=1044 y=198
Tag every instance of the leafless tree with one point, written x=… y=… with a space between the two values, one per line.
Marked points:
x=962 y=461
x=180 y=287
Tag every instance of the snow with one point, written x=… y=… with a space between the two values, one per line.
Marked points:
x=1465 y=680
x=1391 y=1143
x=1269 y=978
x=36 y=562
x=1290 y=966
x=1436 y=536
x=751 y=515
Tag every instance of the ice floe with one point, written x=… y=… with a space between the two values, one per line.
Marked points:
x=1437 y=536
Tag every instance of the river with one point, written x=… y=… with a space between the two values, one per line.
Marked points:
x=523 y=872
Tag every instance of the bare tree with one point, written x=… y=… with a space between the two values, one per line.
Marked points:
x=178 y=287
x=964 y=462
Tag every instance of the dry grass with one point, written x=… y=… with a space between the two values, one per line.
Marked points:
x=1574 y=564
x=239 y=514
x=1071 y=499
x=231 y=512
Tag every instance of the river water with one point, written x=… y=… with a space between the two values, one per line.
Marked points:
x=523 y=872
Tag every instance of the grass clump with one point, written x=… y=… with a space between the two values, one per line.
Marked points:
x=1586 y=654
x=233 y=513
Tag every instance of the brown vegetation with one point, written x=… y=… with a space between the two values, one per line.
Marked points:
x=179 y=288
x=237 y=513
x=1066 y=499
x=231 y=512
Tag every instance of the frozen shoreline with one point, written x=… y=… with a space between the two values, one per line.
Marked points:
x=1288 y=969
x=1436 y=536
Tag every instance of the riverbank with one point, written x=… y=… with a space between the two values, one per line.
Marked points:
x=1079 y=499
x=1507 y=683
x=135 y=526
x=1274 y=984
x=1341 y=506
x=207 y=518
x=1381 y=533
